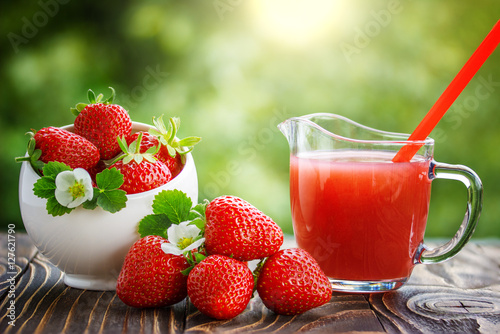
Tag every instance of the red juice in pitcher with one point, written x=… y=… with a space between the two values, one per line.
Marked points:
x=361 y=216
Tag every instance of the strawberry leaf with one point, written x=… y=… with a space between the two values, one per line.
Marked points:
x=112 y=200
x=197 y=215
x=110 y=99
x=56 y=209
x=91 y=96
x=155 y=224
x=189 y=141
x=108 y=196
x=52 y=168
x=44 y=187
x=173 y=203
x=109 y=179
x=92 y=204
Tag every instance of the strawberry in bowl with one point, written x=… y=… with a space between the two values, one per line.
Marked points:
x=80 y=207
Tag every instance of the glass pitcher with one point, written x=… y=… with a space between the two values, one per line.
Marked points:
x=360 y=215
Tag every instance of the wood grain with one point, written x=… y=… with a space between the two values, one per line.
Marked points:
x=458 y=296
x=24 y=253
x=344 y=313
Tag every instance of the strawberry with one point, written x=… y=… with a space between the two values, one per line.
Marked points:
x=151 y=278
x=55 y=144
x=141 y=171
x=220 y=287
x=172 y=150
x=99 y=167
x=291 y=282
x=236 y=228
x=102 y=123
x=174 y=164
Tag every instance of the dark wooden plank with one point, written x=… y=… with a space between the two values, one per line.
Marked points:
x=415 y=309
x=17 y=251
x=461 y=295
x=345 y=313
x=44 y=304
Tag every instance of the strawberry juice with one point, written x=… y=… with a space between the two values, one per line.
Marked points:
x=361 y=216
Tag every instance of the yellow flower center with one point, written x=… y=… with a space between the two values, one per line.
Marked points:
x=77 y=190
x=184 y=242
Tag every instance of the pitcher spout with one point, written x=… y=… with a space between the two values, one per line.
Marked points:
x=304 y=130
x=285 y=128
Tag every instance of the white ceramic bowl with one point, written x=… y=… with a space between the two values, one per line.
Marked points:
x=89 y=246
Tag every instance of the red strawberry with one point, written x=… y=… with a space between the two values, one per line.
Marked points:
x=141 y=171
x=102 y=123
x=63 y=146
x=144 y=176
x=174 y=164
x=291 y=282
x=150 y=277
x=220 y=287
x=236 y=228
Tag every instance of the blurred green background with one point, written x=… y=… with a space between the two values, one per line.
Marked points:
x=232 y=70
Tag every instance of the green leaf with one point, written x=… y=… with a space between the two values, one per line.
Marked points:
x=175 y=123
x=112 y=200
x=122 y=142
x=38 y=166
x=110 y=99
x=197 y=215
x=91 y=96
x=189 y=141
x=154 y=132
x=199 y=223
x=174 y=203
x=109 y=179
x=31 y=144
x=108 y=196
x=199 y=257
x=52 y=168
x=56 y=209
x=80 y=106
x=171 y=151
x=92 y=204
x=186 y=271
x=199 y=210
x=74 y=111
x=36 y=154
x=156 y=224
x=44 y=187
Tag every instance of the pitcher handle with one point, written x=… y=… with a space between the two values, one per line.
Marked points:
x=474 y=187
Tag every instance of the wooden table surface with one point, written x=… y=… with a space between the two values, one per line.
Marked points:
x=461 y=295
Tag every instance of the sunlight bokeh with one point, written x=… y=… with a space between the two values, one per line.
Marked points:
x=233 y=70
x=298 y=23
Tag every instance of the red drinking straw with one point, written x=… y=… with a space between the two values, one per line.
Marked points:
x=450 y=94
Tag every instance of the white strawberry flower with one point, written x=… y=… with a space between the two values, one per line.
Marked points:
x=182 y=238
x=73 y=187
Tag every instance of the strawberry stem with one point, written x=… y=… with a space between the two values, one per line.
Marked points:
x=92 y=100
x=132 y=152
x=256 y=272
x=167 y=137
x=32 y=154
